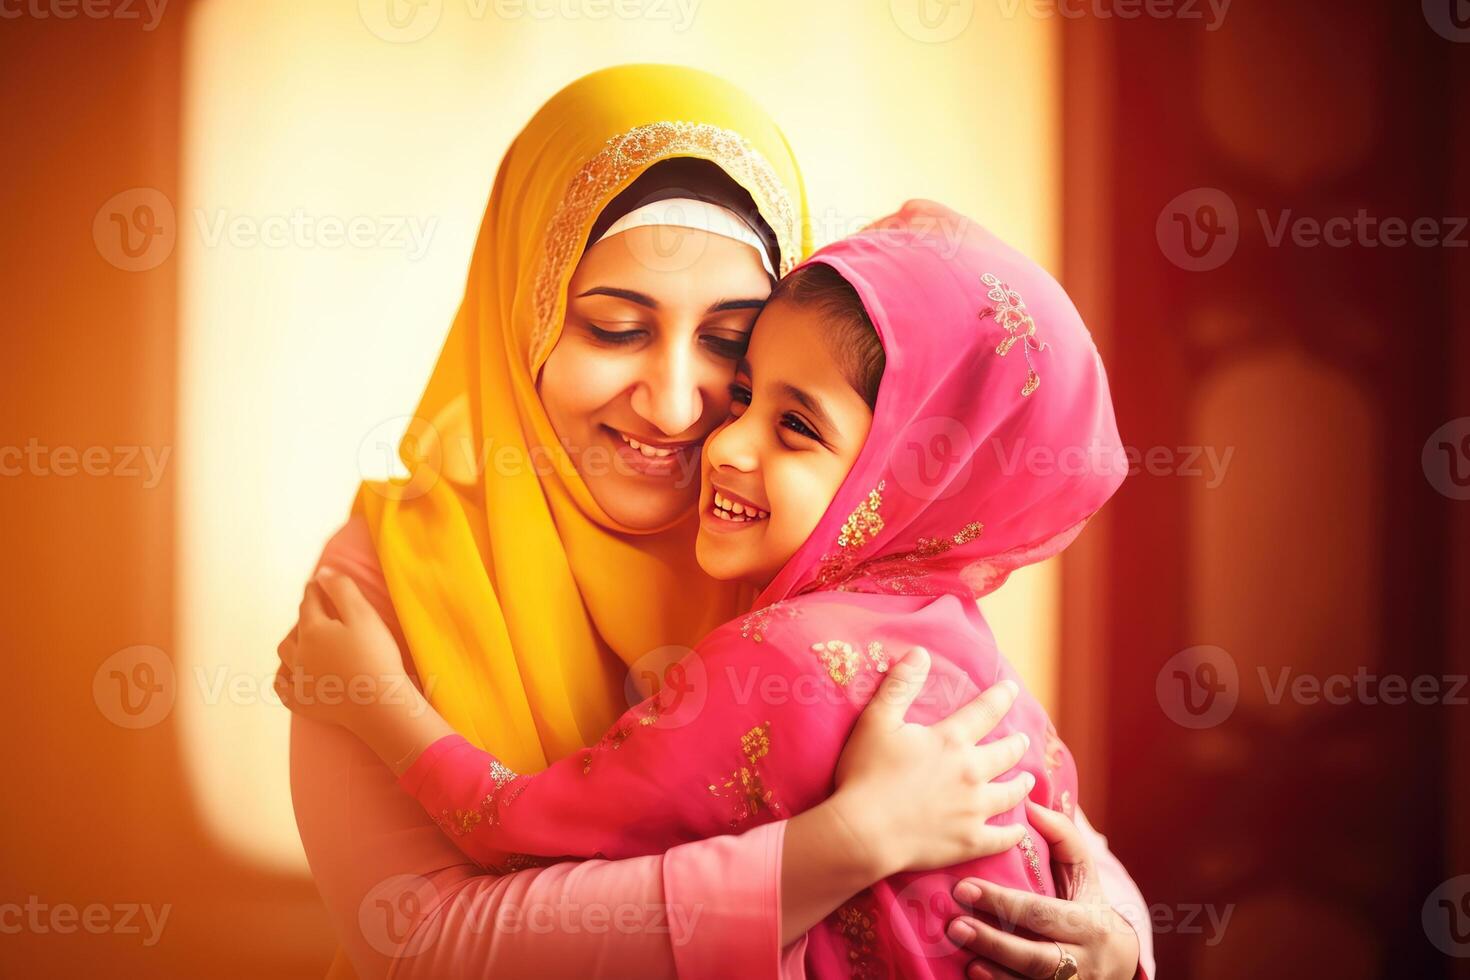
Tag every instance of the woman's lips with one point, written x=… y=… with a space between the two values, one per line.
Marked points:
x=650 y=459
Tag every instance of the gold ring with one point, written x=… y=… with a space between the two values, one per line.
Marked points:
x=1067 y=966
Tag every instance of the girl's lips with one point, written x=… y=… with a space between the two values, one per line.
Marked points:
x=726 y=512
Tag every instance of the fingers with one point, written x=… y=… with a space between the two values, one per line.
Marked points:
x=286 y=649
x=899 y=689
x=1049 y=918
x=313 y=606
x=351 y=604
x=975 y=720
x=994 y=758
x=1002 y=796
x=1026 y=957
x=1061 y=834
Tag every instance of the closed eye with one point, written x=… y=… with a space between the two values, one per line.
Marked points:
x=615 y=337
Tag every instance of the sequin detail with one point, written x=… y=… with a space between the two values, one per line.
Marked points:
x=864 y=523
x=902 y=573
x=753 y=627
x=857 y=923
x=626 y=155
x=843 y=660
x=744 y=786
x=1033 y=860
x=1010 y=312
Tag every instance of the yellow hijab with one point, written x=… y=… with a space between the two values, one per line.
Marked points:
x=522 y=602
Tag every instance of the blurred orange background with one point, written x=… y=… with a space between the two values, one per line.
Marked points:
x=189 y=401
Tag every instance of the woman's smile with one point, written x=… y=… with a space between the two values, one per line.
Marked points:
x=654 y=458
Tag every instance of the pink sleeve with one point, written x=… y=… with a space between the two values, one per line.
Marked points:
x=1122 y=893
x=405 y=902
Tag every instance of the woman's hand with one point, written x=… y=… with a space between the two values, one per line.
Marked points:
x=1080 y=923
x=333 y=667
x=920 y=796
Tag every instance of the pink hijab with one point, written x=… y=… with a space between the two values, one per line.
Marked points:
x=993 y=441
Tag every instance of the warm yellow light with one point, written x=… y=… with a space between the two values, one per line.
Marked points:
x=336 y=163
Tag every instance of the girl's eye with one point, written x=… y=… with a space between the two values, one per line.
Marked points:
x=739 y=397
x=615 y=337
x=795 y=424
x=731 y=348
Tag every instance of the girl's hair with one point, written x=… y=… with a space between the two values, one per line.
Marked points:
x=689 y=177
x=852 y=336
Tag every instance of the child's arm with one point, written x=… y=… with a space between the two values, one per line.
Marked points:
x=348 y=671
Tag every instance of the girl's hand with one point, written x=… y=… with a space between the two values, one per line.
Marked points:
x=335 y=667
x=1080 y=923
x=919 y=796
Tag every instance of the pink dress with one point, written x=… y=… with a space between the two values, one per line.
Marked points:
x=360 y=831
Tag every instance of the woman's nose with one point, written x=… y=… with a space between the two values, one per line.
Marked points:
x=669 y=396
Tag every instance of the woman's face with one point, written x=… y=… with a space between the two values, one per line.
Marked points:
x=656 y=319
x=796 y=427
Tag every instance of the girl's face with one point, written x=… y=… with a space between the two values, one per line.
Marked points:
x=656 y=319
x=796 y=427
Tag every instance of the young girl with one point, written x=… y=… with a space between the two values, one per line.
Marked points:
x=920 y=412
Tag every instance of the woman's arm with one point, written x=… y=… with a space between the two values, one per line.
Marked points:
x=404 y=901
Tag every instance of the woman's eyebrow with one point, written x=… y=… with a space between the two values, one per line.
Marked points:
x=632 y=296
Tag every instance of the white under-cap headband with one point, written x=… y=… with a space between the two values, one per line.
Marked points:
x=687 y=212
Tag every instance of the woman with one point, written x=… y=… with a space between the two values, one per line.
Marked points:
x=526 y=576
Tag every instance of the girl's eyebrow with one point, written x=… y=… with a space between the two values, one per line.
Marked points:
x=810 y=403
x=726 y=305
